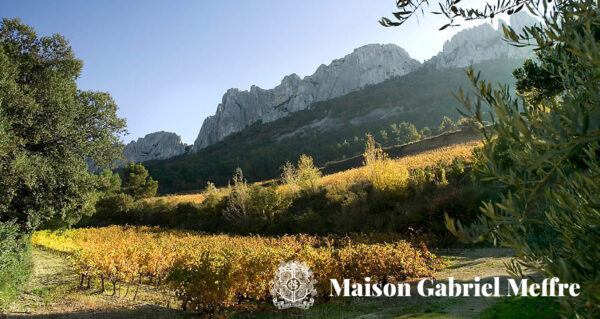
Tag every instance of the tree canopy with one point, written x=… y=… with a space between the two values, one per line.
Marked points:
x=47 y=129
x=137 y=183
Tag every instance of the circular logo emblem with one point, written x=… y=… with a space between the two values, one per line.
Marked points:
x=293 y=286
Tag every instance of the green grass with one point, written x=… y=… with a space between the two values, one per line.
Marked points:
x=13 y=278
x=524 y=308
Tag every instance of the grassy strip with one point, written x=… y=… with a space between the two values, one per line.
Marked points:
x=524 y=308
x=15 y=273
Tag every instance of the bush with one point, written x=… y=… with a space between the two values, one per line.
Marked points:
x=113 y=208
x=237 y=203
x=382 y=172
x=457 y=168
x=15 y=262
x=309 y=177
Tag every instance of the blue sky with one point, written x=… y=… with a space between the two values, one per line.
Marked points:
x=168 y=63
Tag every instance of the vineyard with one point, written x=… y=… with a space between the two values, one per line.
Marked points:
x=443 y=154
x=207 y=273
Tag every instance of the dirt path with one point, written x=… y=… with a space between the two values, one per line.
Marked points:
x=50 y=273
x=53 y=292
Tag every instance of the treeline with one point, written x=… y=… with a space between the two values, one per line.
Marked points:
x=401 y=133
x=386 y=198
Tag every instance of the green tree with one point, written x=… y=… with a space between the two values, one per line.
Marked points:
x=384 y=136
x=404 y=133
x=309 y=176
x=108 y=183
x=408 y=132
x=536 y=84
x=48 y=127
x=447 y=125
x=289 y=177
x=237 y=203
x=542 y=151
x=426 y=131
x=112 y=202
x=137 y=183
x=109 y=209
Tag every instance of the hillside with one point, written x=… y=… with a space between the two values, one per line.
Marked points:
x=441 y=141
x=422 y=97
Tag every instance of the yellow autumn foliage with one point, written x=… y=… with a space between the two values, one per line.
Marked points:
x=211 y=272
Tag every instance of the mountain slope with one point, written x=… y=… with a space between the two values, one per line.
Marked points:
x=422 y=97
x=369 y=64
x=481 y=43
x=154 y=146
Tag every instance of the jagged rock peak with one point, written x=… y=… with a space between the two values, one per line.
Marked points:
x=154 y=146
x=520 y=20
x=366 y=65
x=481 y=43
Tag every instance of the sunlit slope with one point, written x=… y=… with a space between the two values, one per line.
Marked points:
x=422 y=98
x=418 y=155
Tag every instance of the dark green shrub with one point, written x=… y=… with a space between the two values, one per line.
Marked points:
x=15 y=262
x=457 y=168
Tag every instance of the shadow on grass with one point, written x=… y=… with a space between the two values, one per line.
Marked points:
x=147 y=311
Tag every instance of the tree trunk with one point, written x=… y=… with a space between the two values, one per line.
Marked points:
x=137 y=288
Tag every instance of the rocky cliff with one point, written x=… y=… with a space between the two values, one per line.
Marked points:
x=370 y=64
x=481 y=43
x=154 y=146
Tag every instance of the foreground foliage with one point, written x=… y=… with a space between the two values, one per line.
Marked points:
x=542 y=153
x=209 y=272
